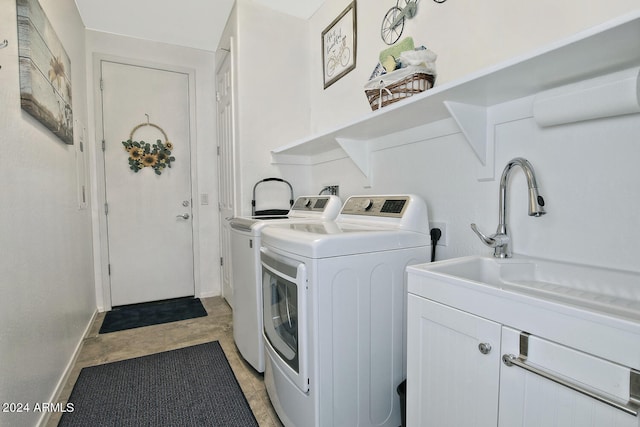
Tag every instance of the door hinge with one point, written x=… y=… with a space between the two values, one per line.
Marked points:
x=251 y=243
x=101 y=84
x=106 y=208
x=104 y=145
x=218 y=96
x=218 y=150
x=221 y=261
x=109 y=269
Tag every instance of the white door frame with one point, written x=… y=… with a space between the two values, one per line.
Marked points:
x=225 y=58
x=101 y=247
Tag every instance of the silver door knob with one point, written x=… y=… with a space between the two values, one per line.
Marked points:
x=183 y=216
x=484 y=347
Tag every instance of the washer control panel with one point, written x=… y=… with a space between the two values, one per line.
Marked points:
x=311 y=203
x=385 y=206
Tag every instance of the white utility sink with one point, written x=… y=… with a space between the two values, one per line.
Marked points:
x=611 y=291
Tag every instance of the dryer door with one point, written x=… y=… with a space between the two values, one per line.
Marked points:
x=285 y=301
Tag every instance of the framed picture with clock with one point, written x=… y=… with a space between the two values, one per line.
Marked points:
x=339 y=46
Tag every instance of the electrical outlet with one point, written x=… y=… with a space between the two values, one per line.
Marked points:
x=444 y=240
x=332 y=189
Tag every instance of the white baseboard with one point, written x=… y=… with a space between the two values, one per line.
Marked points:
x=209 y=294
x=44 y=418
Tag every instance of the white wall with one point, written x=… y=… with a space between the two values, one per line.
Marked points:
x=46 y=275
x=272 y=103
x=206 y=254
x=587 y=171
x=467 y=36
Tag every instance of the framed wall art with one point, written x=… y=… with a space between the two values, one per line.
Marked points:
x=45 y=79
x=339 y=46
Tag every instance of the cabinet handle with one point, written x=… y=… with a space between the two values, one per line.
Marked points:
x=484 y=347
x=630 y=408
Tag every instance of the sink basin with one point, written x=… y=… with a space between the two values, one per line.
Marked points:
x=613 y=291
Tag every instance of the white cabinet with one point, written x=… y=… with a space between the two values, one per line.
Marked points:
x=456 y=375
x=530 y=400
x=453 y=363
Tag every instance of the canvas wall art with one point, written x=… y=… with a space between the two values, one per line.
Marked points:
x=45 y=79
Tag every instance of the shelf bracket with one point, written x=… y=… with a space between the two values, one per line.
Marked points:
x=359 y=152
x=472 y=120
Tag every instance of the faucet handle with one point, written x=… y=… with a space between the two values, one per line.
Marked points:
x=494 y=241
x=489 y=241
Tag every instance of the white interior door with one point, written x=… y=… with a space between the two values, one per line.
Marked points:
x=148 y=214
x=225 y=170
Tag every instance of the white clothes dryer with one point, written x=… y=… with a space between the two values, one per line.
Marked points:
x=334 y=297
x=246 y=269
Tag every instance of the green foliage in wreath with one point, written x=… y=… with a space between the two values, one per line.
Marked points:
x=142 y=154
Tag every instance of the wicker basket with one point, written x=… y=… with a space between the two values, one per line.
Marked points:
x=385 y=94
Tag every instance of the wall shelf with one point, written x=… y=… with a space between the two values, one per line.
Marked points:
x=609 y=47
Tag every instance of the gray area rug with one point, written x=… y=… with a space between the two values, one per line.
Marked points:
x=192 y=386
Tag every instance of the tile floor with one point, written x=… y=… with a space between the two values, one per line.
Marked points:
x=98 y=349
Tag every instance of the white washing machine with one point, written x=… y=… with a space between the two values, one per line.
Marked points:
x=246 y=270
x=335 y=311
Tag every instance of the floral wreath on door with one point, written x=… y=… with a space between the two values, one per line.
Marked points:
x=143 y=154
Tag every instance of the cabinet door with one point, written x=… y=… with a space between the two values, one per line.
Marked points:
x=530 y=400
x=450 y=381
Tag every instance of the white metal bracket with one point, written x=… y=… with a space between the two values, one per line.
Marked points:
x=359 y=152
x=473 y=121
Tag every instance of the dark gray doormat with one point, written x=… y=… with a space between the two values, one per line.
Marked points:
x=151 y=313
x=192 y=386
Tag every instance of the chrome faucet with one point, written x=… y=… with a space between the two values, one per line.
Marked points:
x=500 y=240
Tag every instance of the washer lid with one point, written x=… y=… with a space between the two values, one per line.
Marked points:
x=247 y=223
x=334 y=238
x=314 y=208
x=366 y=224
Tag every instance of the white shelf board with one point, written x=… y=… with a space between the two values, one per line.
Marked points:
x=609 y=47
